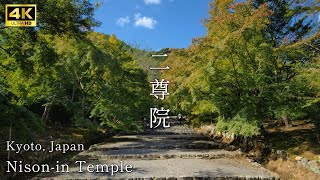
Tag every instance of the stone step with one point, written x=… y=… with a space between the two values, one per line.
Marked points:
x=156 y=142
x=162 y=146
x=174 y=129
x=164 y=154
x=137 y=137
x=160 y=133
x=223 y=168
x=160 y=154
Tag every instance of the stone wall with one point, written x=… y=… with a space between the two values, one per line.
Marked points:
x=312 y=165
x=254 y=147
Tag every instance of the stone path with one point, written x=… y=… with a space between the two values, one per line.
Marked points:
x=174 y=153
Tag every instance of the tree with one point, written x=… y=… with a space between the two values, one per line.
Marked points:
x=238 y=73
x=290 y=21
x=62 y=67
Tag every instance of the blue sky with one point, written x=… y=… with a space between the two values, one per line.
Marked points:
x=153 y=24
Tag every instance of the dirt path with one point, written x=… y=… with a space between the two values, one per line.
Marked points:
x=175 y=153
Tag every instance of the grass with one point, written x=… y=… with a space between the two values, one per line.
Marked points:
x=288 y=170
x=298 y=140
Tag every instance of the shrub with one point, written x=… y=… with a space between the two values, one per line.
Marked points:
x=239 y=126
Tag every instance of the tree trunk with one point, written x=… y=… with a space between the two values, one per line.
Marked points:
x=286 y=121
x=262 y=130
x=73 y=92
x=10 y=137
x=46 y=112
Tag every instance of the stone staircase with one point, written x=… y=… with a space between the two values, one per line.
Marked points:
x=173 y=153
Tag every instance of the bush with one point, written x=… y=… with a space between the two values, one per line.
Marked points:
x=239 y=126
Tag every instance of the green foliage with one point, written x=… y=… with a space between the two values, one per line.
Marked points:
x=145 y=60
x=289 y=21
x=59 y=16
x=250 y=67
x=63 y=67
x=24 y=123
x=239 y=125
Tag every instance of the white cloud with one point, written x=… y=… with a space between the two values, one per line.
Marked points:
x=123 y=21
x=152 y=1
x=147 y=22
x=137 y=15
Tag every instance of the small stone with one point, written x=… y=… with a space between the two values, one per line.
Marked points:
x=199 y=155
x=93 y=158
x=249 y=160
x=304 y=161
x=166 y=156
x=184 y=178
x=171 y=178
x=313 y=163
x=298 y=158
x=282 y=154
x=198 y=178
x=315 y=169
x=232 y=148
x=256 y=164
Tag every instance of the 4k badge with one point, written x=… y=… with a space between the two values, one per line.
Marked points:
x=21 y=15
